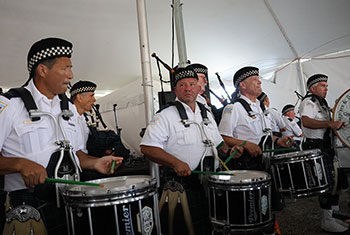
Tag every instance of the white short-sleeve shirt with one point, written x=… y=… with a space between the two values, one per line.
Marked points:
x=166 y=131
x=292 y=127
x=314 y=111
x=84 y=131
x=277 y=121
x=33 y=140
x=236 y=122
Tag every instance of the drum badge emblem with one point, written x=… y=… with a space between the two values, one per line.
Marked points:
x=264 y=204
x=147 y=220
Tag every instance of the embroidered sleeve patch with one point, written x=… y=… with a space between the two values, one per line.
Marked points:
x=228 y=110
x=2 y=106
x=153 y=121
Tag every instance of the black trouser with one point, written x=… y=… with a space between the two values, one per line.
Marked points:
x=54 y=218
x=326 y=200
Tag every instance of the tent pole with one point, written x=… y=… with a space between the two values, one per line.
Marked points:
x=301 y=77
x=146 y=72
x=180 y=34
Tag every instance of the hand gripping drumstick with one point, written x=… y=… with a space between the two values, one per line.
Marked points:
x=234 y=153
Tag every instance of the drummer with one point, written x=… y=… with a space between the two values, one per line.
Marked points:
x=244 y=121
x=26 y=145
x=318 y=130
x=293 y=128
x=179 y=147
x=277 y=122
x=82 y=94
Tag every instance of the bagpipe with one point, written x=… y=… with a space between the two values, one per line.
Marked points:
x=103 y=141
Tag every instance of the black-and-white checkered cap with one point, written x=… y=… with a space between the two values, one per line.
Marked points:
x=48 y=48
x=199 y=68
x=315 y=79
x=243 y=74
x=82 y=87
x=181 y=73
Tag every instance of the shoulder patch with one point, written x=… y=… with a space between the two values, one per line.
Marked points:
x=153 y=121
x=228 y=110
x=2 y=106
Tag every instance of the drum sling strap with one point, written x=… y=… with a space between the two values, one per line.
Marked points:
x=29 y=102
x=247 y=107
x=182 y=112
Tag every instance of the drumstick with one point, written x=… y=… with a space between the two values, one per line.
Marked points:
x=52 y=180
x=112 y=167
x=212 y=173
x=222 y=163
x=219 y=145
x=234 y=153
x=278 y=150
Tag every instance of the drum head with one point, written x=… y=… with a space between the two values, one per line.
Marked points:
x=240 y=177
x=341 y=112
x=297 y=154
x=112 y=186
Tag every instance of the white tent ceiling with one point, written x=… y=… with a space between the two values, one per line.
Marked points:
x=223 y=34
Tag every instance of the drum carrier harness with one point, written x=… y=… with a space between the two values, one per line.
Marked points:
x=205 y=139
x=268 y=131
x=62 y=164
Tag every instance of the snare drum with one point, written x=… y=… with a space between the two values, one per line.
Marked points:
x=125 y=205
x=240 y=203
x=300 y=174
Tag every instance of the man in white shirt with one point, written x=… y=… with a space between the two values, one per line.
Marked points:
x=278 y=124
x=26 y=145
x=238 y=124
x=203 y=95
x=317 y=127
x=82 y=94
x=293 y=128
x=179 y=144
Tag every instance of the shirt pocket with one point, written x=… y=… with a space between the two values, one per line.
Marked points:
x=73 y=133
x=212 y=131
x=185 y=135
x=33 y=136
x=253 y=125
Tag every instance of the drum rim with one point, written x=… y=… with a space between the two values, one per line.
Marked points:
x=215 y=179
x=310 y=153
x=241 y=227
x=109 y=200
x=150 y=182
x=283 y=161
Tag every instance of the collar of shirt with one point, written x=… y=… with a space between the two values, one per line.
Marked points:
x=251 y=103
x=201 y=99
x=188 y=108
x=39 y=97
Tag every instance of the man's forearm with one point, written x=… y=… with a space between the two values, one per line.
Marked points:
x=9 y=165
x=230 y=141
x=314 y=124
x=158 y=155
x=86 y=161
